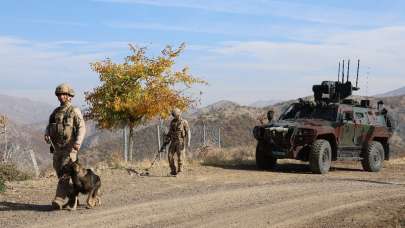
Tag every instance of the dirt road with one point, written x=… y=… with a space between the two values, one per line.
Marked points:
x=223 y=196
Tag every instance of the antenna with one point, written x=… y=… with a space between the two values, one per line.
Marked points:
x=367 y=78
x=348 y=70
x=358 y=67
x=339 y=73
x=343 y=72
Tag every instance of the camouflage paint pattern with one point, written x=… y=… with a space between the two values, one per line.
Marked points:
x=289 y=137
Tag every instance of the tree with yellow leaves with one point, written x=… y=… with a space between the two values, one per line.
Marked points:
x=138 y=90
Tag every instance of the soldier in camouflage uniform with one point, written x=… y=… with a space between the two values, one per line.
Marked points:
x=65 y=132
x=178 y=136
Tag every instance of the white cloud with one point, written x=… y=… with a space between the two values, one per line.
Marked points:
x=287 y=70
x=34 y=68
x=240 y=71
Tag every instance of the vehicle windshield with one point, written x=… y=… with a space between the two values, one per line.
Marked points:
x=310 y=111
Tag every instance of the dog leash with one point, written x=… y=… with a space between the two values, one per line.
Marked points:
x=145 y=172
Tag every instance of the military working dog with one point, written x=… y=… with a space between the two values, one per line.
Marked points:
x=85 y=181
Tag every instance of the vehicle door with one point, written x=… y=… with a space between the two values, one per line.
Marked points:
x=362 y=125
x=347 y=128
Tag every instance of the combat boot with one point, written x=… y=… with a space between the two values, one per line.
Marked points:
x=173 y=173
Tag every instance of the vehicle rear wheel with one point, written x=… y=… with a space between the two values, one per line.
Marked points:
x=320 y=157
x=264 y=160
x=373 y=157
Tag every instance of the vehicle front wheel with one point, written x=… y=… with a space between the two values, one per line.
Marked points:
x=373 y=157
x=320 y=157
x=264 y=160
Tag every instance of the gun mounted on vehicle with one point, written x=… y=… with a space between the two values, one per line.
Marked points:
x=336 y=91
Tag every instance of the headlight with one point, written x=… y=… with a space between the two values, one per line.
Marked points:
x=305 y=131
x=279 y=129
x=304 y=136
x=274 y=131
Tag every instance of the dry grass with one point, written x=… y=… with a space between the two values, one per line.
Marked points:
x=116 y=161
x=10 y=172
x=229 y=156
x=397 y=161
x=2 y=186
x=207 y=155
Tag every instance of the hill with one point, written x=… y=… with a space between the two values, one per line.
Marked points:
x=397 y=92
x=224 y=123
x=23 y=110
x=264 y=103
x=21 y=139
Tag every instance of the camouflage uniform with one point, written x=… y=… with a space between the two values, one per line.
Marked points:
x=178 y=136
x=66 y=130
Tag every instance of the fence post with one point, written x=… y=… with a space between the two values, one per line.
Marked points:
x=204 y=136
x=5 y=138
x=3 y=124
x=219 y=137
x=125 y=135
x=158 y=139
x=131 y=143
x=34 y=162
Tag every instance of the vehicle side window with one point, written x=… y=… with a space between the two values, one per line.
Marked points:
x=348 y=117
x=361 y=117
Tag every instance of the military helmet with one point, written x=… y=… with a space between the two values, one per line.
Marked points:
x=64 y=88
x=176 y=112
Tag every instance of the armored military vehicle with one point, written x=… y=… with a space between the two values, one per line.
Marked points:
x=329 y=128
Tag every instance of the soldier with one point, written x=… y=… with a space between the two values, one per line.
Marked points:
x=178 y=136
x=270 y=115
x=387 y=117
x=65 y=132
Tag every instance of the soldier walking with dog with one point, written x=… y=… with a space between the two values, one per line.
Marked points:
x=65 y=132
x=178 y=137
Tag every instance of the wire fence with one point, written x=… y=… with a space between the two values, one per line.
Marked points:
x=147 y=141
x=22 y=156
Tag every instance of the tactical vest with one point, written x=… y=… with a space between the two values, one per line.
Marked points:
x=177 y=130
x=61 y=125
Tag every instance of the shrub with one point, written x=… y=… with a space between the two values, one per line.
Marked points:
x=226 y=156
x=2 y=185
x=9 y=172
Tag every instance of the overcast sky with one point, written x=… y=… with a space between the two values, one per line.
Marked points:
x=246 y=50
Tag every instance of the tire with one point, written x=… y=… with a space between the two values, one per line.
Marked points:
x=320 y=157
x=264 y=160
x=373 y=158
